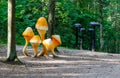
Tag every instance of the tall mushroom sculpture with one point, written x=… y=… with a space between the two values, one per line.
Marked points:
x=42 y=27
x=35 y=42
x=51 y=44
x=27 y=34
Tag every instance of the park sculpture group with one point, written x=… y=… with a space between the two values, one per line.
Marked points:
x=47 y=44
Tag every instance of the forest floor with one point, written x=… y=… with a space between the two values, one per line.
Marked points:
x=70 y=64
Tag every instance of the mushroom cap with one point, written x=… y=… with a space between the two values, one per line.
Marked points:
x=42 y=24
x=28 y=32
x=57 y=38
x=48 y=44
x=35 y=39
x=47 y=41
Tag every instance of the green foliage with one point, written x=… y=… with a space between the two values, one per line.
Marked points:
x=27 y=13
x=3 y=22
x=67 y=13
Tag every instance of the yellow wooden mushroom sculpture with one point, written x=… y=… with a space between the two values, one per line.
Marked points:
x=42 y=27
x=27 y=34
x=51 y=44
x=35 y=42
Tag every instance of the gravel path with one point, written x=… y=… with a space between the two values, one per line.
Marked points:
x=70 y=64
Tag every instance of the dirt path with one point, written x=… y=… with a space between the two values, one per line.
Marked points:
x=70 y=64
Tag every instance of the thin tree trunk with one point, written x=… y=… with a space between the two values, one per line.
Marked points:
x=116 y=28
x=11 y=52
x=43 y=6
x=101 y=21
x=51 y=20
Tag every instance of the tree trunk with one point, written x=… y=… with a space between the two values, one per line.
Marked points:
x=42 y=9
x=11 y=52
x=101 y=21
x=51 y=21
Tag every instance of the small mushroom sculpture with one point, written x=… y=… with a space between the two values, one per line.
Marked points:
x=35 y=42
x=51 y=44
x=27 y=34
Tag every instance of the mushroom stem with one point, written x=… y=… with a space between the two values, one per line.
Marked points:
x=45 y=51
x=42 y=34
x=35 y=47
x=42 y=52
x=54 y=54
x=25 y=52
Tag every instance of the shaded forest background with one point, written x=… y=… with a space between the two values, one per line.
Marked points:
x=67 y=13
